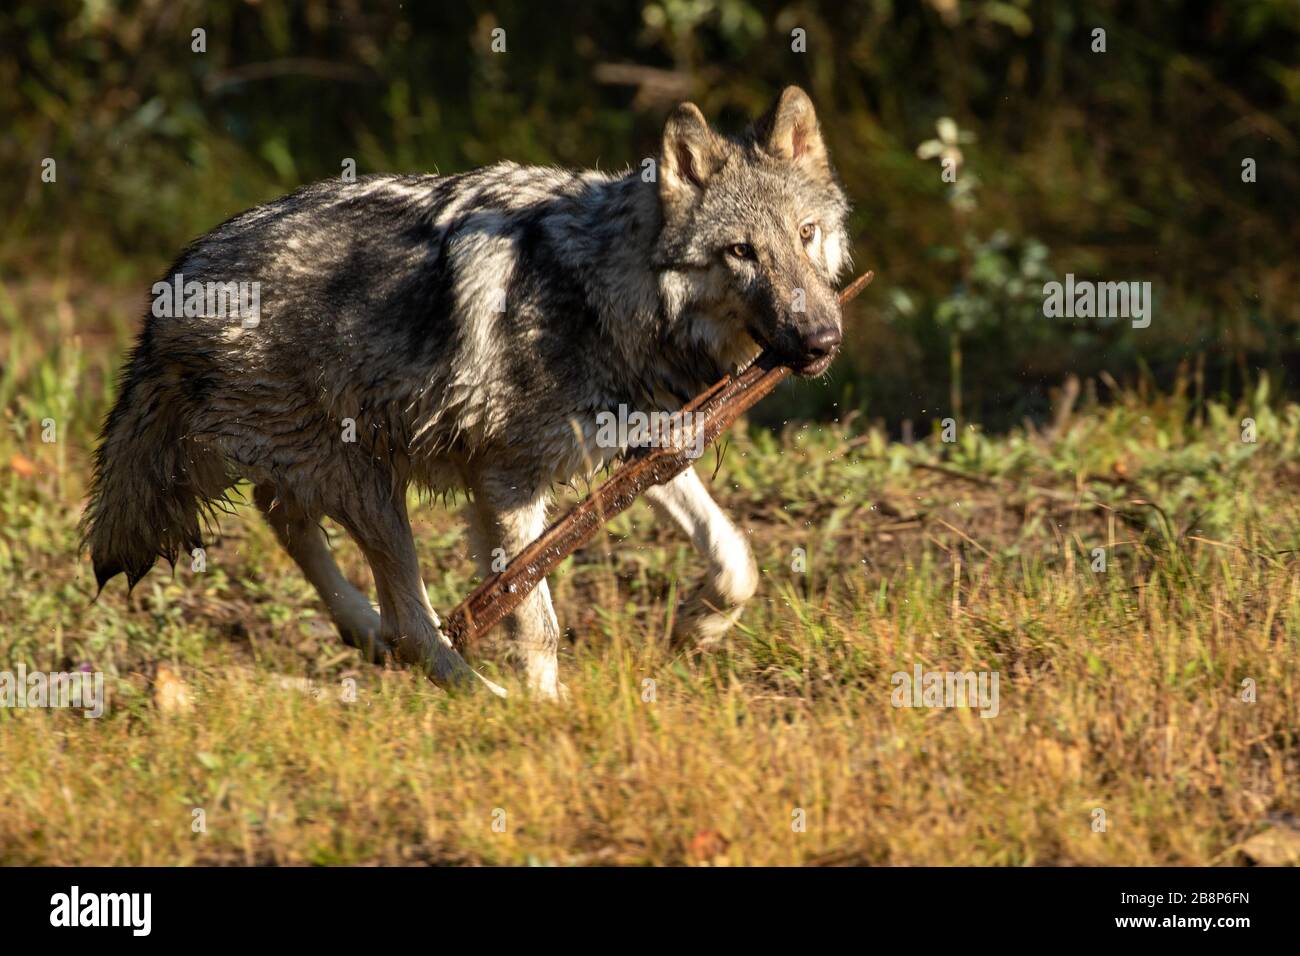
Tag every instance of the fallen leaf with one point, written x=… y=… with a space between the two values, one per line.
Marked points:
x=171 y=695
x=22 y=466
x=707 y=844
x=1276 y=846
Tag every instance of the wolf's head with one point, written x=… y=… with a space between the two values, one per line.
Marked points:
x=753 y=236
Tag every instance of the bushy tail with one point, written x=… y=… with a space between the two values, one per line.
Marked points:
x=144 y=500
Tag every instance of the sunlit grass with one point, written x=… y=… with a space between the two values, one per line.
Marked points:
x=1120 y=690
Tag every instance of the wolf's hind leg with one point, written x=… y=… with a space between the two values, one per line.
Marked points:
x=706 y=615
x=356 y=620
x=375 y=515
x=500 y=517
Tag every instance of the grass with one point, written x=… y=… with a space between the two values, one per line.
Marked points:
x=1120 y=691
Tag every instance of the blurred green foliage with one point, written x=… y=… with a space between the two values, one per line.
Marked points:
x=1122 y=165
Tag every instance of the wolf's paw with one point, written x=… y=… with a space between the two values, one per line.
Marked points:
x=541 y=677
x=555 y=691
x=700 y=627
x=361 y=630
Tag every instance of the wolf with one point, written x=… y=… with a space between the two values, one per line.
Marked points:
x=461 y=334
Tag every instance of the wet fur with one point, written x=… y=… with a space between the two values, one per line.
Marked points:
x=379 y=304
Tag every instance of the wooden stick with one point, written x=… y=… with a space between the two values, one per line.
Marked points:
x=714 y=411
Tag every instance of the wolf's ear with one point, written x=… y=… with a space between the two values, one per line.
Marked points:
x=789 y=130
x=689 y=156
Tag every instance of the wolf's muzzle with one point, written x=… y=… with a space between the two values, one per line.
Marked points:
x=819 y=347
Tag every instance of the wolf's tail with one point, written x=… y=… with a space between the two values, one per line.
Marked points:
x=144 y=500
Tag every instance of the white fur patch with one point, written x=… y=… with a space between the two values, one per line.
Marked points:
x=688 y=503
x=833 y=254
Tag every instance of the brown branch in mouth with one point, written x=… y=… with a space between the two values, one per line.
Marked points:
x=714 y=411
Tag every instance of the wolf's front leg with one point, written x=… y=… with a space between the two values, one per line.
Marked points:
x=732 y=578
x=503 y=520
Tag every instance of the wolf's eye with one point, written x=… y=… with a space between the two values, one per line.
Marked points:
x=808 y=231
x=741 y=250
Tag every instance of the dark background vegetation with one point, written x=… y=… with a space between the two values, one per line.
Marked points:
x=1123 y=165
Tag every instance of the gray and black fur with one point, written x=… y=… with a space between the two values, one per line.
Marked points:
x=472 y=326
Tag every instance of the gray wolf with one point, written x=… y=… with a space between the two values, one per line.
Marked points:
x=462 y=333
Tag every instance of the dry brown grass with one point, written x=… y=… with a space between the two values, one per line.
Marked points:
x=1119 y=691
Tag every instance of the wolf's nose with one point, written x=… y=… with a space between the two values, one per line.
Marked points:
x=822 y=342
